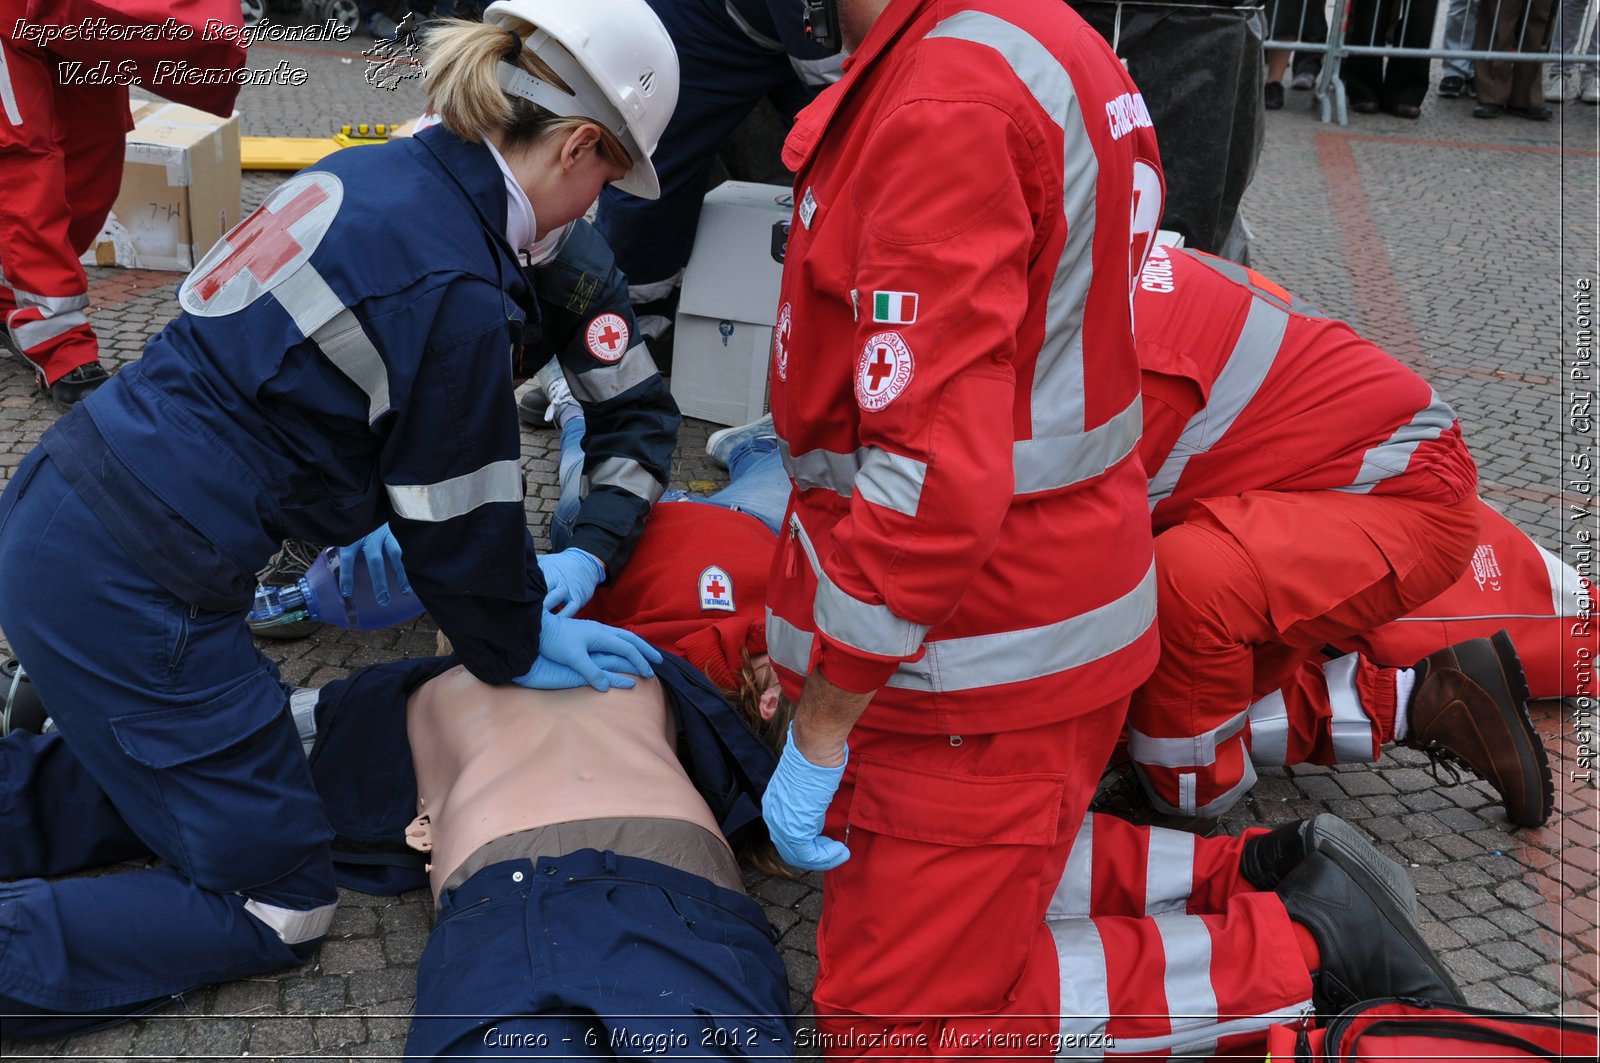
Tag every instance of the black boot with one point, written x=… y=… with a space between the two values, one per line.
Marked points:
x=1268 y=858
x=1369 y=948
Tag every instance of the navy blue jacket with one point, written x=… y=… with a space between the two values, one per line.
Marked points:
x=361 y=765
x=346 y=357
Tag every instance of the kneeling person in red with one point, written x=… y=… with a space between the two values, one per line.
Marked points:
x=1305 y=488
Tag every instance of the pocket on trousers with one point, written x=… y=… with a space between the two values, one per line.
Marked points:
x=937 y=908
x=167 y=738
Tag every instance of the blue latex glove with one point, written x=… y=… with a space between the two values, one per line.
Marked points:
x=601 y=656
x=795 y=803
x=380 y=552
x=547 y=675
x=570 y=577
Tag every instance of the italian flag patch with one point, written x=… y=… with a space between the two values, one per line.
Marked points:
x=894 y=308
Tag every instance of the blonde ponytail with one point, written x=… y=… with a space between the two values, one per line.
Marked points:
x=461 y=59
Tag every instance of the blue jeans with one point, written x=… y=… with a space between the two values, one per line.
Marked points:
x=1459 y=21
x=757 y=484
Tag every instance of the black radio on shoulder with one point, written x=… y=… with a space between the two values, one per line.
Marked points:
x=822 y=24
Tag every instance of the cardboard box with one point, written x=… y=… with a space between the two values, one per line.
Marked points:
x=723 y=339
x=180 y=189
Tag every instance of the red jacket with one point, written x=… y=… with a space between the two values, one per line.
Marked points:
x=1247 y=388
x=696 y=584
x=953 y=376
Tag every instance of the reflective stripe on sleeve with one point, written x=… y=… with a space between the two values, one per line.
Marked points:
x=873 y=629
x=498 y=481
x=788 y=646
x=625 y=474
x=1393 y=456
x=1075 y=890
x=1242 y=374
x=606 y=382
x=891 y=480
x=293 y=926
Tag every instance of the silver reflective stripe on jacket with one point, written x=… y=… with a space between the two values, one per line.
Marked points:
x=1060 y=451
x=498 y=481
x=1075 y=892
x=322 y=317
x=625 y=474
x=1242 y=374
x=1393 y=456
x=970 y=662
x=893 y=481
x=606 y=382
x=293 y=926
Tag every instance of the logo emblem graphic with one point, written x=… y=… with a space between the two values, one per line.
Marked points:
x=716 y=589
x=883 y=370
x=263 y=250
x=608 y=337
x=780 y=342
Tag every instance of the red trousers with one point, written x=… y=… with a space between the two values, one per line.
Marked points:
x=1249 y=591
x=1164 y=949
x=933 y=935
x=63 y=149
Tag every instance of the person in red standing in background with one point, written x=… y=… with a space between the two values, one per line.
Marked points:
x=964 y=589
x=63 y=119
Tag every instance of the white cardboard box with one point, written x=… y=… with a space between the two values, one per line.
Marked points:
x=180 y=189
x=729 y=303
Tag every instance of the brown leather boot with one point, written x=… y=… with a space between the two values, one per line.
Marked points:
x=1469 y=708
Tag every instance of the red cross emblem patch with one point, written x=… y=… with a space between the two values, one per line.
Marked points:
x=264 y=249
x=780 y=342
x=608 y=337
x=883 y=370
x=716 y=589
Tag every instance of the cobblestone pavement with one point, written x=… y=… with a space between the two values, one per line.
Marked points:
x=1456 y=243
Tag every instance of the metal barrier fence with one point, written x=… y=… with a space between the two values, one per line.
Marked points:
x=1326 y=36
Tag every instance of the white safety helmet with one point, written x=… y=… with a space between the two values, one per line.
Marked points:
x=620 y=48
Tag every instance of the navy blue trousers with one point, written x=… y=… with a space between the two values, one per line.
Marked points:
x=175 y=739
x=595 y=954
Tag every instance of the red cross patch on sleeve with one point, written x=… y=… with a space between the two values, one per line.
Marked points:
x=266 y=248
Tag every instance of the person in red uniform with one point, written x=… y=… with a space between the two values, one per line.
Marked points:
x=955 y=387
x=62 y=125
x=1305 y=488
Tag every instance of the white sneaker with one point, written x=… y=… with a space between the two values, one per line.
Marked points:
x=1558 y=87
x=1590 y=93
x=720 y=444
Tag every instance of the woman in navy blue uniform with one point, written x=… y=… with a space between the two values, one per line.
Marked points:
x=345 y=358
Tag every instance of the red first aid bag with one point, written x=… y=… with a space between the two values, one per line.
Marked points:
x=1515 y=584
x=181 y=50
x=1399 y=1031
